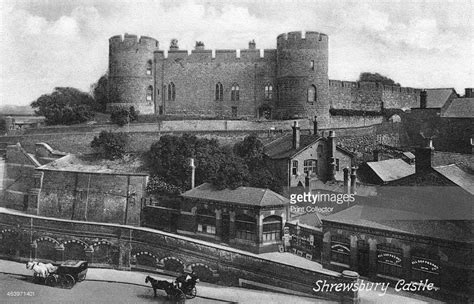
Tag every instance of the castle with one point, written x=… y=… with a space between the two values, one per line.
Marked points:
x=290 y=81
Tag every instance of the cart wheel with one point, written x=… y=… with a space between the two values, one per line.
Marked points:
x=51 y=280
x=67 y=281
x=192 y=293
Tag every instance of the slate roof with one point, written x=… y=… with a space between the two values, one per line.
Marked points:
x=88 y=164
x=436 y=98
x=391 y=169
x=409 y=155
x=310 y=220
x=457 y=176
x=402 y=221
x=282 y=147
x=460 y=108
x=242 y=195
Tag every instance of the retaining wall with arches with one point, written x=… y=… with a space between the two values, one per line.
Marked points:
x=27 y=237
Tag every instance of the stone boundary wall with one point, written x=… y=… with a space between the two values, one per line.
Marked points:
x=354 y=121
x=227 y=265
x=176 y=125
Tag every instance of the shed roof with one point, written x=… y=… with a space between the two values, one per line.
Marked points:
x=391 y=169
x=460 y=108
x=437 y=98
x=457 y=176
x=242 y=195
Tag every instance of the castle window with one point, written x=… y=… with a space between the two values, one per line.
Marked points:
x=310 y=165
x=312 y=95
x=149 y=65
x=219 y=92
x=294 y=167
x=234 y=95
x=171 y=91
x=268 y=91
x=149 y=93
x=312 y=65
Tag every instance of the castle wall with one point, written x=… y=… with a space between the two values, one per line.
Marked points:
x=301 y=63
x=195 y=77
x=129 y=73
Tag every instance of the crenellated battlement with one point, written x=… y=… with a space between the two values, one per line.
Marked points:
x=221 y=55
x=371 y=86
x=302 y=40
x=128 y=41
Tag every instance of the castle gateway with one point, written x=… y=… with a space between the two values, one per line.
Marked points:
x=290 y=81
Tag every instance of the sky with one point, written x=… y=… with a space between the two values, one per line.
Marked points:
x=52 y=43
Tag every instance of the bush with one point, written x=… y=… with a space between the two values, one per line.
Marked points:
x=123 y=116
x=110 y=145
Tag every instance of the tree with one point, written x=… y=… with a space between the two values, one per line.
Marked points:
x=122 y=116
x=3 y=125
x=110 y=145
x=376 y=77
x=100 y=94
x=64 y=106
x=251 y=150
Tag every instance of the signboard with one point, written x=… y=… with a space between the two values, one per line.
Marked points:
x=389 y=258
x=424 y=265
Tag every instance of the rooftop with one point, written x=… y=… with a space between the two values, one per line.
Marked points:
x=457 y=176
x=129 y=165
x=437 y=98
x=282 y=147
x=242 y=195
x=460 y=108
x=391 y=169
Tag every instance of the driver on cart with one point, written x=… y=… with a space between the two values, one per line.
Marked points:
x=182 y=280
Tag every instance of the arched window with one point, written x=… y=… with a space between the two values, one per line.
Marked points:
x=389 y=260
x=234 y=95
x=312 y=94
x=149 y=66
x=268 y=91
x=340 y=250
x=171 y=91
x=245 y=226
x=272 y=228
x=149 y=93
x=219 y=92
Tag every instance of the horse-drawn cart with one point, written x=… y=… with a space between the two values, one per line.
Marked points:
x=64 y=275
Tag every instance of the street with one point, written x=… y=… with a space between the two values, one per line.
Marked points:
x=21 y=289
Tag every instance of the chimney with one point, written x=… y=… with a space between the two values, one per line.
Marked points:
x=315 y=126
x=376 y=155
x=331 y=156
x=424 y=157
x=193 y=171
x=353 y=180
x=346 y=180
x=423 y=95
x=468 y=93
x=252 y=44
x=296 y=136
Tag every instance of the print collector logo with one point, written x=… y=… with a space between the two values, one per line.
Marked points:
x=314 y=202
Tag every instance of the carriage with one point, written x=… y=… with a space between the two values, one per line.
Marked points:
x=64 y=275
x=184 y=287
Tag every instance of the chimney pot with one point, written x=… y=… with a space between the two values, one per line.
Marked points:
x=193 y=172
x=353 y=180
x=296 y=135
x=423 y=96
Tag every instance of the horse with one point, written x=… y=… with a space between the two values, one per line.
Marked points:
x=187 y=281
x=157 y=284
x=39 y=270
x=50 y=267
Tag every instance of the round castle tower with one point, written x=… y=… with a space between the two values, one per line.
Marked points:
x=131 y=69
x=302 y=76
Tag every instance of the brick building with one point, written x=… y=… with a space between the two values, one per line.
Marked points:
x=287 y=82
x=247 y=218
x=299 y=155
x=418 y=227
